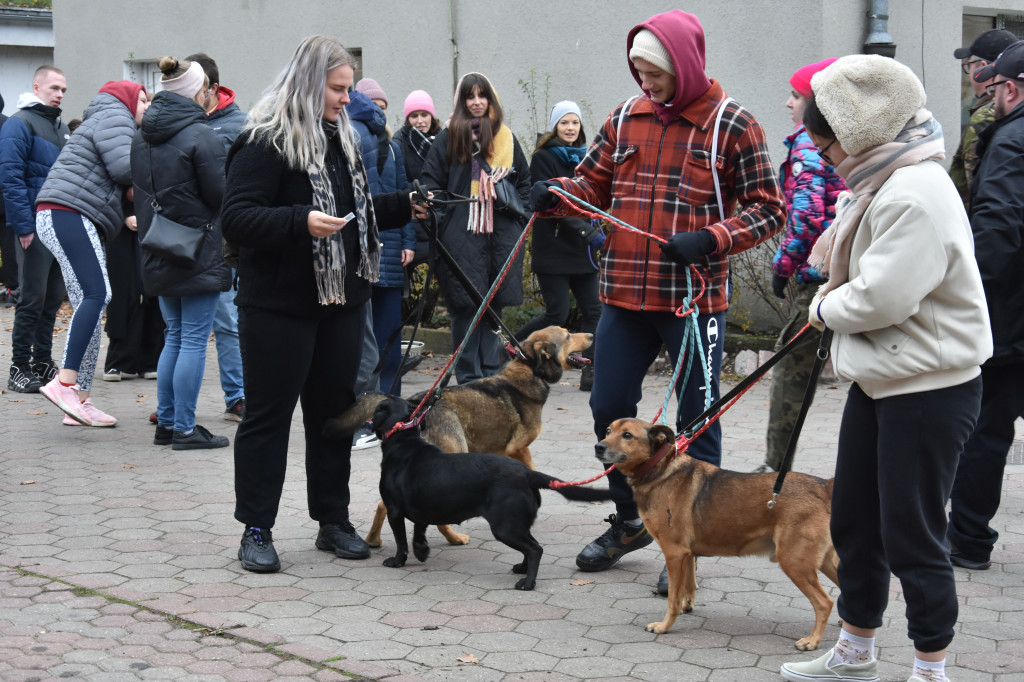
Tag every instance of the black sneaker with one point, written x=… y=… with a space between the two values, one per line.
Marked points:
x=23 y=380
x=342 y=540
x=605 y=552
x=663 y=582
x=46 y=371
x=587 y=378
x=164 y=436
x=235 y=411
x=958 y=559
x=257 y=552
x=199 y=439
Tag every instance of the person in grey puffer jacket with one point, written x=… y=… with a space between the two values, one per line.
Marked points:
x=78 y=211
x=179 y=161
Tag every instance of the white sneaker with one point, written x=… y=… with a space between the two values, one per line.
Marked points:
x=363 y=439
x=66 y=398
x=819 y=669
x=112 y=375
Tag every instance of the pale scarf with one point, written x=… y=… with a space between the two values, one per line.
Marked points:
x=920 y=140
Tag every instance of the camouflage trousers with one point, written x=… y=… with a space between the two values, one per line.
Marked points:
x=790 y=376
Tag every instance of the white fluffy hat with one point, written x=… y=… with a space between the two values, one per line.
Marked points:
x=867 y=99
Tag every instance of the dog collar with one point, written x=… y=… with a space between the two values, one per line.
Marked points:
x=401 y=426
x=649 y=465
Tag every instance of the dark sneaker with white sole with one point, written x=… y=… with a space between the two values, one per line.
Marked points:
x=605 y=551
x=46 y=371
x=342 y=539
x=235 y=412
x=23 y=380
x=257 y=552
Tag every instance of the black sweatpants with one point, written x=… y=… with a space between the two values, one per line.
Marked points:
x=286 y=360
x=894 y=471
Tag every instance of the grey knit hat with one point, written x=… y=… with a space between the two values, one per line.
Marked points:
x=867 y=99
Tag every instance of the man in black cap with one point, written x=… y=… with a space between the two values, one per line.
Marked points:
x=997 y=220
x=982 y=52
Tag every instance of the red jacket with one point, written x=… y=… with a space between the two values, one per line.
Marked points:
x=657 y=177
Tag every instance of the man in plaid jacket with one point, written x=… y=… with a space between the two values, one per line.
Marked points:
x=651 y=166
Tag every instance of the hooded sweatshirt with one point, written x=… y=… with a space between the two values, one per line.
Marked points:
x=651 y=166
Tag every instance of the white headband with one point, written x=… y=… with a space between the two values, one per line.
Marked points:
x=188 y=83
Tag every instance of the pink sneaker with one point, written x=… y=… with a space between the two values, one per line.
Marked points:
x=66 y=398
x=68 y=421
x=96 y=416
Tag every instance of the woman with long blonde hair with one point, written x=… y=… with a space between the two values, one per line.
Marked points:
x=297 y=206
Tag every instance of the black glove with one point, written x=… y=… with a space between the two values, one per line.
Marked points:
x=541 y=199
x=779 y=286
x=685 y=248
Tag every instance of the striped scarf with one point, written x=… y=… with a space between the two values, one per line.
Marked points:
x=481 y=188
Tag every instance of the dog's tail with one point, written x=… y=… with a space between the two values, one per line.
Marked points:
x=542 y=481
x=349 y=421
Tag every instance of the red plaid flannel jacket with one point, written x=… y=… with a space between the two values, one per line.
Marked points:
x=658 y=179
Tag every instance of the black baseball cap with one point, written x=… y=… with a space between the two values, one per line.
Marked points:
x=1010 y=64
x=987 y=46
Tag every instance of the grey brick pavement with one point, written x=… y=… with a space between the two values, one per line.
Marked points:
x=117 y=561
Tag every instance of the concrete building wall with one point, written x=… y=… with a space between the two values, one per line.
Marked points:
x=535 y=52
x=26 y=43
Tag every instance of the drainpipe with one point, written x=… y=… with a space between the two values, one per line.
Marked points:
x=879 y=41
x=455 y=44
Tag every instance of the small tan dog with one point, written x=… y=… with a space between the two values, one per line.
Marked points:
x=693 y=509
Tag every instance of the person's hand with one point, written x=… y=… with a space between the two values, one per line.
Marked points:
x=686 y=248
x=26 y=240
x=420 y=210
x=814 y=312
x=132 y=223
x=322 y=225
x=407 y=256
x=130 y=193
x=779 y=286
x=541 y=199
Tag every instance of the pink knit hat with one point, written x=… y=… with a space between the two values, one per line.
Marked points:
x=418 y=100
x=801 y=80
x=371 y=89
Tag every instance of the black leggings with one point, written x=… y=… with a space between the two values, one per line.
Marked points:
x=895 y=468
x=555 y=291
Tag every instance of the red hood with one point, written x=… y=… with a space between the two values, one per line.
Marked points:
x=225 y=98
x=683 y=37
x=126 y=91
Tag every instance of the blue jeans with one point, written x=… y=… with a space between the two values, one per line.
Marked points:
x=189 y=321
x=229 y=357
x=483 y=355
x=626 y=343
x=368 y=378
x=387 y=317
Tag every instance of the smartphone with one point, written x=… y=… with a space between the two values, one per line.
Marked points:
x=348 y=217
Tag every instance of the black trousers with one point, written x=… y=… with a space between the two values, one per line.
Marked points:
x=555 y=289
x=135 y=326
x=894 y=471
x=979 y=476
x=42 y=292
x=285 y=360
x=8 y=256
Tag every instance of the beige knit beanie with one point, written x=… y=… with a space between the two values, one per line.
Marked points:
x=867 y=99
x=647 y=46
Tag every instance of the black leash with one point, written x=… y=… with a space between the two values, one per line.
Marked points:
x=742 y=386
x=812 y=383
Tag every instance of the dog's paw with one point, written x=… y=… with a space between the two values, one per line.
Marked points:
x=457 y=538
x=526 y=584
x=373 y=540
x=421 y=550
x=519 y=568
x=657 y=628
x=687 y=605
x=808 y=643
x=396 y=561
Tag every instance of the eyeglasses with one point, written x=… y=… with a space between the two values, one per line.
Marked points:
x=966 y=66
x=823 y=152
x=991 y=87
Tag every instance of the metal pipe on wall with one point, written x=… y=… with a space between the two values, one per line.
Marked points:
x=879 y=41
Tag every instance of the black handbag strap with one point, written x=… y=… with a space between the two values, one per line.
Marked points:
x=156 y=204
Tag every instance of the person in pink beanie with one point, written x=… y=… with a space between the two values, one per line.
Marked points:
x=415 y=138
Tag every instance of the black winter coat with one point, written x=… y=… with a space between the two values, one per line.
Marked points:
x=177 y=151
x=413 y=169
x=559 y=246
x=265 y=213
x=481 y=256
x=997 y=220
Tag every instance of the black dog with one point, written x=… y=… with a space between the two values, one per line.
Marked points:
x=420 y=482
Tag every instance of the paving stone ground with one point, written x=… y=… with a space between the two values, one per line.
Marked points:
x=117 y=562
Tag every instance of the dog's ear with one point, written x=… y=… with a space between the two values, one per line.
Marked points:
x=659 y=435
x=546 y=364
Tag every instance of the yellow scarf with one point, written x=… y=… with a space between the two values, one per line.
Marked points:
x=481 y=188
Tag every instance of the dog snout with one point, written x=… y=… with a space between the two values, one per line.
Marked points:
x=601 y=451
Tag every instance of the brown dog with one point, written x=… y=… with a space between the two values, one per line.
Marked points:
x=693 y=509
x=500 y=415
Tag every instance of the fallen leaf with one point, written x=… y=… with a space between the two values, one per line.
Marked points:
x=129 y=466
x=27 y=482
x=36 y=412
x=19 y=400
x=562 y=408
x=467 y=658
x=580 y=581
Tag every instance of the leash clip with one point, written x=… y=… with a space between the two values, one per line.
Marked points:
x=771 y=502
x=510 y=348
